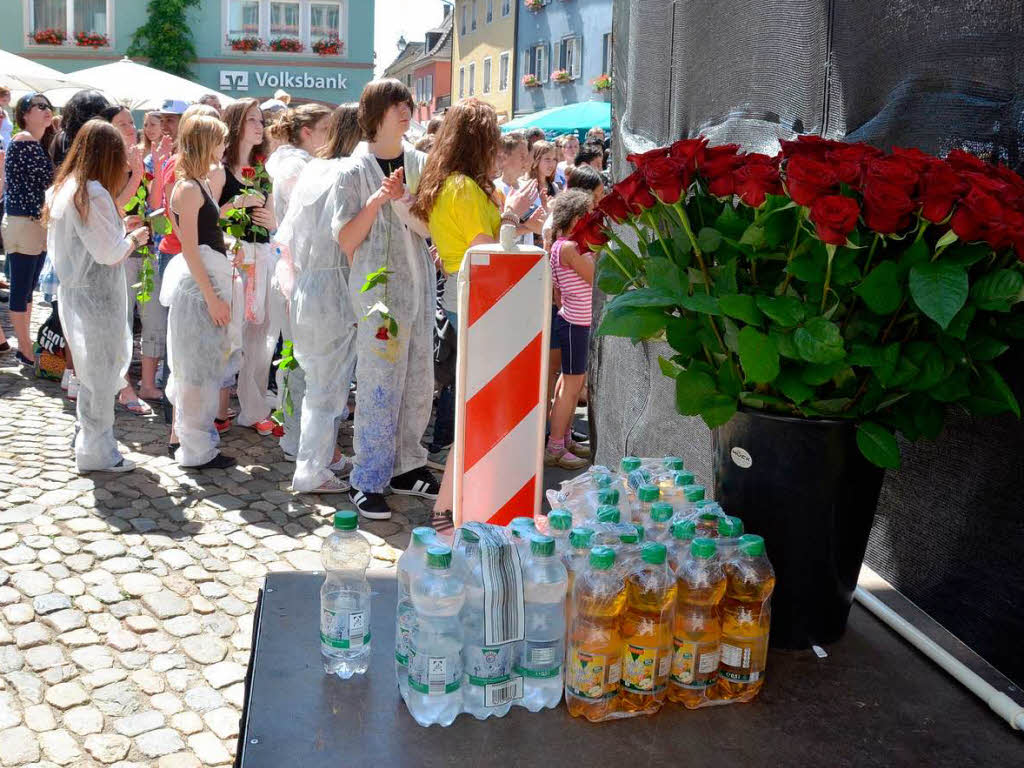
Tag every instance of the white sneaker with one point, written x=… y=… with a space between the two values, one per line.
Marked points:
x=73 y=387
x=65 y=379
x=122 y=466
x=342 y=466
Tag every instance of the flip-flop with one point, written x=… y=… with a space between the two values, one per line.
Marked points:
x=137 y=407
x=151 y=399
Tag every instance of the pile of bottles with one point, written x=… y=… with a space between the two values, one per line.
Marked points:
x=669 y=598
x=480 y=627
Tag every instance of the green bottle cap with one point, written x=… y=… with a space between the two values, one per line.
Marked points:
x=702 y=503
x=673 y=463
x=439 y=557
x=424 y=535
x=560 y=520
x=602 y=481
x=639 y=531
x=580 y=537
x=467 y=535
x=709 y=517
x=684 y=529
x=751 y=545
x=694 y=492
x=608 y=514
x=519 y=522
x=730 y=526
x=683 y=479
x=702 y=548
x=648 y=493
x=602 y=558
x=654 y=553
x=346 y=520
x=629 y=537
x=608 y=496
x=630 y=463
x=542 y=545
x=661 y=511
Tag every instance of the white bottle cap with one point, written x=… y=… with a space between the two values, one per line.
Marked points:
x=508 y=237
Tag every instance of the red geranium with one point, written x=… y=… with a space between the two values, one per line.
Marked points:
x=757 y=176
x=666 y=178
x=895 y=170
x=589 y=232
x=980 y=217
x=807 y=179
x=614 y=206
x=635 y=192
x=887 y=208
x=834 y=217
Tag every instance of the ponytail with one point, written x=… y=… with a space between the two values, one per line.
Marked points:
x=290 y=122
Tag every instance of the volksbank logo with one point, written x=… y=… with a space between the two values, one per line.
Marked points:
x=238 y=80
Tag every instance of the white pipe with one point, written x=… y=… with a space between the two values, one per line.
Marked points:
x=1001 y=704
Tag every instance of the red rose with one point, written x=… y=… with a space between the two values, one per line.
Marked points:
x=980 y=217
x=148 y=176
x=717 y=167
x=986 y=182
x=965 y=161
x=248 y=172
x=382 y=333
x=614 y=206
x=807 y=145
x=919 y=160
x=640 y=159
x=834 y=217
x=634 y=191
x=807 y=179
x=689 y=152
x=666 y=178
x=756 y=177
x=894 y=170
x=589 y=233
x=887 y=208
x=849 y=161
x=940 y=188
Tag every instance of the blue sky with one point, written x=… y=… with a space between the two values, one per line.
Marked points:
x=395 y=18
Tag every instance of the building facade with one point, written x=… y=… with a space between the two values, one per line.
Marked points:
x=426 y=69
x=562 y=46
x=244 y=47
x=484 y=51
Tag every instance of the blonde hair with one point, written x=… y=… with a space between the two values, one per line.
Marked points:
x=198 y=139
x=290 y=122
x=199 y=109
x=282 y=95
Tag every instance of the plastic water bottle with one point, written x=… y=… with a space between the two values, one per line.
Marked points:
x=522 y=528
x=410 y=566
x=487 y=669
x=345 y=599
x=657 y=526
x=435 y=668
x=746 y=618
x=560 y=523
x=647 y=495
x=540 y=656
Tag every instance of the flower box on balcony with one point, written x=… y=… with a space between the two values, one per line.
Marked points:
x=329 y=46
x=531 y=81
x=286 y=45
x=561 y=76
x=49 y=36
x=245 y=44
x=87 y=40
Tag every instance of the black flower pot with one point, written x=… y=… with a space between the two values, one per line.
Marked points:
x=804 y=486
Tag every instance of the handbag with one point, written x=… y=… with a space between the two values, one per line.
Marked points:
x=50 y=337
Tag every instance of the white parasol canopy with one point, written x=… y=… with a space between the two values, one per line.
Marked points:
x=23 y=75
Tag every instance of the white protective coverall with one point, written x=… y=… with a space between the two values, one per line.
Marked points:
x=284 y=167
x=92 y=301
x=395 y=376
x=322 y=321
x=198 y=351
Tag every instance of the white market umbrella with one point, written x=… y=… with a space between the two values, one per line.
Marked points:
x=140 y=87
x=23 y=75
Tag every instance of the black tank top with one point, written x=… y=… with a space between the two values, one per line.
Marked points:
x=206 y=225
x=232 y=187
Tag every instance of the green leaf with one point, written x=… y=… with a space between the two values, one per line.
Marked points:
x=929 y=362
x=809 y=267
x=831 y=407
x=731 y=335
x=754 y=237
x=878 y=445
x=904 y=371
x=787 y=311
x=784 y=343
x=928 y=416
x=819 y=341
x=681 y=333
x=724 y=276
x=730 y=223
x=816 y=375
x=778 y=227
x=792 y=386
x=917 y=253
x=947 y=239
x=717 y=409
x=983 y=347
x=997 y=291
x=668 y=367
x=952 y=388
x=375 y=278
x=967 y=255
x=641 y=297
x=961 y=322
x=881 y=289
x=758 y=356
x=610 y=279
x=692 y=387
x=844 y=267
x=701 y=302
x=709 y=239
x=990 y=394
x=939 y=289
x=664 y=276
x=740 y=306
x=632 y=322
x=682 y=247
x=729 y=381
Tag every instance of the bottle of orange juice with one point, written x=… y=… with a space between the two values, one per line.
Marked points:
x=697 y=631
x=746 y=618
x=647 y=631
x=595 y=644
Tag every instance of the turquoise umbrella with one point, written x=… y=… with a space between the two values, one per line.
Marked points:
x=572 y=117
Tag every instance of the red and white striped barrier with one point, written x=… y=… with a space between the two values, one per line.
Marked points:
x=501 y=383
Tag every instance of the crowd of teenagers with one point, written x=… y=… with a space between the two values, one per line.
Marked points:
x=317 y=235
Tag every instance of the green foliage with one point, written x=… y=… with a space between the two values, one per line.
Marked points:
x=166 y=37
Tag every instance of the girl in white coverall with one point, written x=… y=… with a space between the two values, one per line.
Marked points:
x=88 y=244
x=394 y=372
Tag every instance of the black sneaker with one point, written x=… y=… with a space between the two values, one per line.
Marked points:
x=220 y=461
x=416 y=482
x=580 y=437
x=372 y=506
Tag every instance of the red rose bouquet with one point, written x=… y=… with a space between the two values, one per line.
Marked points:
x=832 y=280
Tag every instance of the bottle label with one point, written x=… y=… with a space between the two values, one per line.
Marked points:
x=406 y=623
x=593 y=675
x=642 y=668
x=343 y=629
x=435 y=676
x=487 y=663
x=502 y=575
x=694 y=664
x=743 y=664
x=501 y=692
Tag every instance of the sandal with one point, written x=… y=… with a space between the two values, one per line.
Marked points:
x=334 y=485
x=137 y=407
x=442 y=522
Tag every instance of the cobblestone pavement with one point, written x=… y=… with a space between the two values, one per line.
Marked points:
x=127 y=600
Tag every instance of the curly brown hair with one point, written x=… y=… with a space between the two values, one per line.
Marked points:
x=467 y=143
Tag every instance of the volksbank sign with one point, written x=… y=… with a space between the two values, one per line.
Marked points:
x=239 y=80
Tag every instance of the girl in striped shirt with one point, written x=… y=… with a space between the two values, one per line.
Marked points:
x=573 y=275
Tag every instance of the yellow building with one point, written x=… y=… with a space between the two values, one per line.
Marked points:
x=483 y=54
